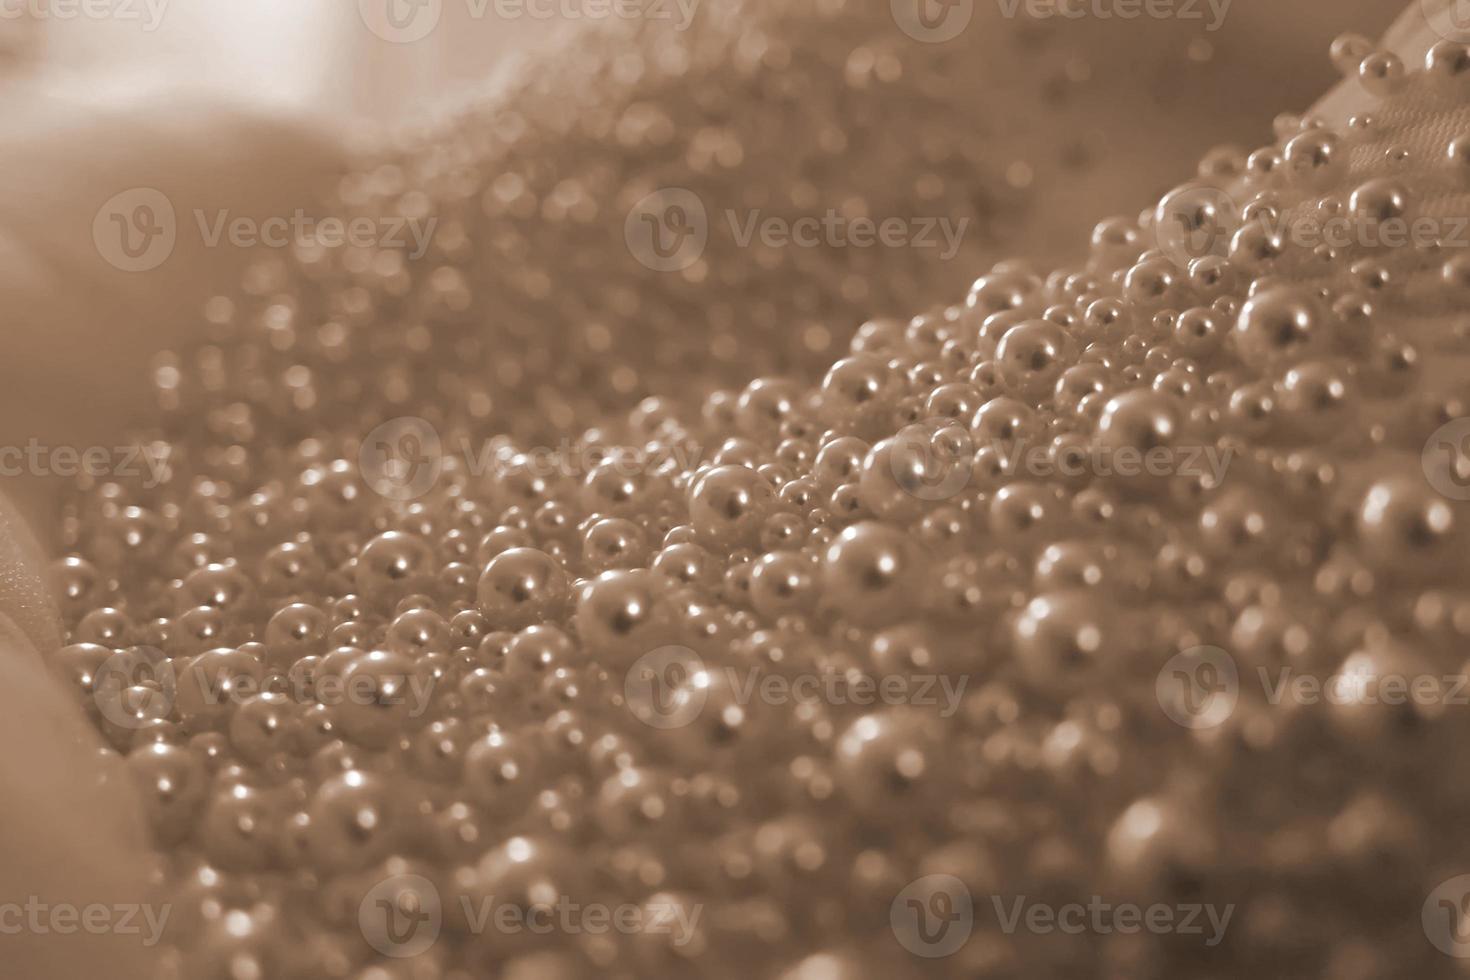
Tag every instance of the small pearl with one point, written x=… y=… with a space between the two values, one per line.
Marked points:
x=1348 y=52
x=1382 y=74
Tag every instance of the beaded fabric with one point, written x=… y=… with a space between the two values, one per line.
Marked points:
x=1051 y=632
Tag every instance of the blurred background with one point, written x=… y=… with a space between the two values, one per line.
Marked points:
x=1147 y=100
x=1079 y=119
x=319 y=53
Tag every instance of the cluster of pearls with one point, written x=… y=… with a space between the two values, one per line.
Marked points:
x=758 y=113
x=329 y=687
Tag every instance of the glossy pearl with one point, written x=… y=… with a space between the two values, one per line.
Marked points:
x=522 y=586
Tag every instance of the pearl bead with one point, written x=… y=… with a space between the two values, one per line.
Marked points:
x=1406 y=527
x=728 y=504
x=1279 y=326
x=1348 y=52
x=381 y=695
x=522 y=586
x=172 y=783
x=626 y=614
x=352 y=822
x=889 y=763
x=261 y=726
x=1446 y=61
x=1382 y=74
x=1379 y=200
x=1032 y=355
x=295 y=631
x=1314 y=159
x=865 y=570
x=393 y=565
x=235 y=828
x=782 y=583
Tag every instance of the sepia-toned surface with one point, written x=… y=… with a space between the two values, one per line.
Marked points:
x=604 y=564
